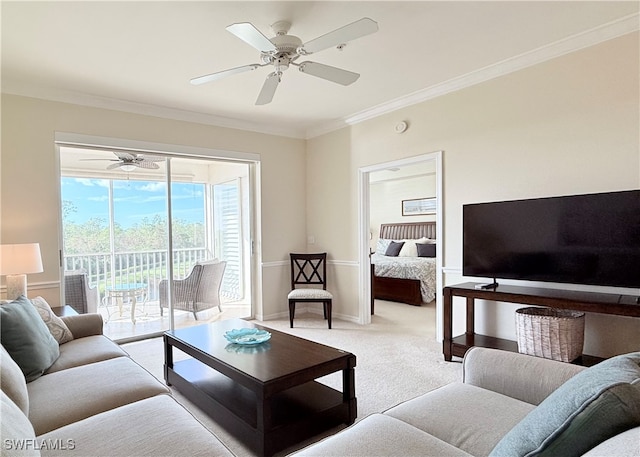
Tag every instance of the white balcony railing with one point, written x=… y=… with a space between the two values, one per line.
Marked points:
x=107 y=270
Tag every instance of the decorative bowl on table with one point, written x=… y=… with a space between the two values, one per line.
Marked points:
x=247 y=336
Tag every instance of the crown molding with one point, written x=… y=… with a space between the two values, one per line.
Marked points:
x=95 y=101
x=327 y=127
x=605 y=32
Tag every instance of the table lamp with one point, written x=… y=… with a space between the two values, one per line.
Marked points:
x=16 y=261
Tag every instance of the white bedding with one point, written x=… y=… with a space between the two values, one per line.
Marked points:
x=422 y=268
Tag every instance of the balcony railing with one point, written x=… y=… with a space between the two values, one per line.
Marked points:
x=108 y=270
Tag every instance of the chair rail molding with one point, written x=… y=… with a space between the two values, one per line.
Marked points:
x=285 y=263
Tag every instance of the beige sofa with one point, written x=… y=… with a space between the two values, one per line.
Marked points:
x=507 y=404
x=95 y=401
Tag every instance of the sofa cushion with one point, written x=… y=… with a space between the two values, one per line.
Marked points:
x=509 y=373
x=465 y=416
x=82 y=325
x=83 y=351
x=56 y=326
x=67 y=396
x=625 y=444
x=12 y=381
x=26 y=338
x=589 y=408
x=18 y=437
x=380 y=435
x=156 y=426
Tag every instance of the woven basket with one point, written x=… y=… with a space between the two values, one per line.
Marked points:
x=556 y=334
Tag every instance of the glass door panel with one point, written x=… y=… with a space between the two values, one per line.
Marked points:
x=116 y=229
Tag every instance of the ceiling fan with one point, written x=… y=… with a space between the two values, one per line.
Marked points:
x=283 y=50
x=128 y=161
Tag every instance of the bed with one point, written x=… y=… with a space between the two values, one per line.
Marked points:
x=405 y=278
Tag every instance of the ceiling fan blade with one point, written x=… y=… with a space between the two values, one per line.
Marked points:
x=223 y=74
x=336 y=75
x=268 y=89
x=124 y=155
x=113 y=166
x=349 y=32
x=147 y=158
x=147 y=165
x=247 y=32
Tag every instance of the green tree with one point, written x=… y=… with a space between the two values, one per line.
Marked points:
x=92 y=236
x=68 y=208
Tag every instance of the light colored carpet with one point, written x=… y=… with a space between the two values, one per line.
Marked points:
x=397 y=359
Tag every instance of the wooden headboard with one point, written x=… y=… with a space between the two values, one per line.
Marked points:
x=408 y=231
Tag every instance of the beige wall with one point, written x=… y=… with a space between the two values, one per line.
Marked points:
x=386 y=200
x=569 y=125
x=30 y=189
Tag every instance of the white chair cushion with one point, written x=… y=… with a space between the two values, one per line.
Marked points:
x=302 y=294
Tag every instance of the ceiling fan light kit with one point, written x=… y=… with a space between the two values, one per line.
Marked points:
x=283 y=50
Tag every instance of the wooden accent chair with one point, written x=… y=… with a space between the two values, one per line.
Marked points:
x=198 y=291
x=310 y=271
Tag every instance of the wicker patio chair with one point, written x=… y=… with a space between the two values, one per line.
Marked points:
x=198 y=291
x=78 y=293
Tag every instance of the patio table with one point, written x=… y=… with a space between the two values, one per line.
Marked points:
x=131 y=293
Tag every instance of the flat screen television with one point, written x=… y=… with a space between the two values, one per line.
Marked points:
x=589 y=239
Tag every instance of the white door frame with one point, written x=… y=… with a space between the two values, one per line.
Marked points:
x=364 y=230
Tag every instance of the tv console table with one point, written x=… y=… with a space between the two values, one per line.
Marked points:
x=592 y=302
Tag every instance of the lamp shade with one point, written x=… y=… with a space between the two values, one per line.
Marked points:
x=18 y=259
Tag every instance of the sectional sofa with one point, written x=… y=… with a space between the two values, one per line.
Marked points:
x=507 y=405
x=93 y=400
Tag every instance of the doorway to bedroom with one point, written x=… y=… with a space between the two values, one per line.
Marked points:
x=404 y=198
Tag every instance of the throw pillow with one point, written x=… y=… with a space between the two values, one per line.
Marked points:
x=56 y=326
x=426 y=250
x=394 y=248
x=589 y=408
x=26 y=338
x=410 y=247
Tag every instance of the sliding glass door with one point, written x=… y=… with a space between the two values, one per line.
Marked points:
x=116 y=223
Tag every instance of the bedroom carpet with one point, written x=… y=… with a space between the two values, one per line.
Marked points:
x=397 y=356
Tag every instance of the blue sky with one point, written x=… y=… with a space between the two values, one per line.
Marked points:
x=133 y=200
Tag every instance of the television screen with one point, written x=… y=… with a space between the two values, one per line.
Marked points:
x=580 y=239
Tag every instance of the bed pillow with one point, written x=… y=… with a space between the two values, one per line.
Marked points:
x=426 y=249
x=382 y=245
x=410 y=247
x=588 y=409
x=394 y=248
x=26 y=338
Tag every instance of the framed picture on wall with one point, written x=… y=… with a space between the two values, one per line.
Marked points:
x=418 y=206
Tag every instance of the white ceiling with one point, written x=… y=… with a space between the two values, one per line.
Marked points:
x=140 y=56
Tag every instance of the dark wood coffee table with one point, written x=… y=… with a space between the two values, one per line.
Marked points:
x=266 y=395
